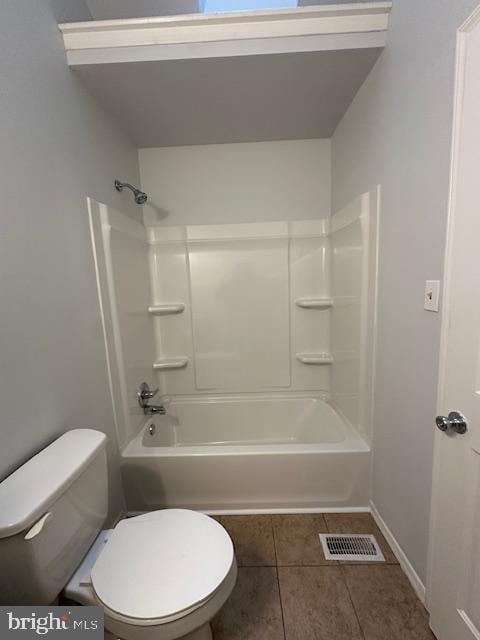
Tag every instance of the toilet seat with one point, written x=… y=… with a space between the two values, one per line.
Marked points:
x=161 y=566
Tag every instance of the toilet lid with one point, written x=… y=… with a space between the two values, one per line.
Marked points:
x=161 y=564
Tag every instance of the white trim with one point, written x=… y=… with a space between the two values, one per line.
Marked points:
x=374 y=328
x=103 y=219
x=99 y=261
x=228 y=396
x=401 y=556
x=458 y=99
x=350 y=214
x=228 y=48
x=124 y=225
x=245 y=231
x=371 y=219
x=199 y=29
x=267 y=512
x=233 y=17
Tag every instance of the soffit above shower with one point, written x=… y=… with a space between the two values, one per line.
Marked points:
x=235 y=77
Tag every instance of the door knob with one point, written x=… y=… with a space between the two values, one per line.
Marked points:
x=453 y=422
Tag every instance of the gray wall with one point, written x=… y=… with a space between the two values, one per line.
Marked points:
x=68 y=11
x=56 y=147
x=397 y=132
x=235 y=183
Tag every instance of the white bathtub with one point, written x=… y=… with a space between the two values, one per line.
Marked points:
x=245 y=453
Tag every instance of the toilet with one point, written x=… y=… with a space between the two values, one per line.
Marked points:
x=163 y=574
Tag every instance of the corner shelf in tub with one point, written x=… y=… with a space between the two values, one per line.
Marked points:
x=314 y=303
x=170 y=363
x=166 y=309
x=314 y=358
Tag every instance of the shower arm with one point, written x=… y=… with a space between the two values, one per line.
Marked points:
x=139 y=196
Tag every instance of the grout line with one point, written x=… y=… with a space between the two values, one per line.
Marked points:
x=256 y=566
x=281 y=604
x=326 y=524
x=274 y=543
x=278 y=579
x=352 y=603
x=329 y=564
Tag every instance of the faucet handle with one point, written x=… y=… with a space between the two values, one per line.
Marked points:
x=144 y=393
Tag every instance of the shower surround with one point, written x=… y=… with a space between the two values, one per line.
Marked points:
x=260 y=338
x=255 y=302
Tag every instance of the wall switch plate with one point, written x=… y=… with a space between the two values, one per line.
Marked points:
x=432 y=295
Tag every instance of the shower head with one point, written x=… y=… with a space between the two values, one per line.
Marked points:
x=139 y=196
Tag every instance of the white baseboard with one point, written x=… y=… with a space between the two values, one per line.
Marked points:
x=405 y=563
x=253 y=512
x=286 y=511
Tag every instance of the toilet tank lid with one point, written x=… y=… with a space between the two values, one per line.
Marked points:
x=28 y=492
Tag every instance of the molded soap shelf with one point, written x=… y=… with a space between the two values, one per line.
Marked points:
x=314 y=303
x=166 y=309
x=314 y=358
x=170 y=363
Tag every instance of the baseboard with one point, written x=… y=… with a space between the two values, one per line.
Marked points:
x=286 y=511
x=405 y=563
x=253 y=512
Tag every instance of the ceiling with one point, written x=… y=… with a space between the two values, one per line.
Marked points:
x=225 y=100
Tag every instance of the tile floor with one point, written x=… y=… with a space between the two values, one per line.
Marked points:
x=286 y=590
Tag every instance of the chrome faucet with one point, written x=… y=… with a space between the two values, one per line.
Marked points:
x=144 y=394
x=154 y=409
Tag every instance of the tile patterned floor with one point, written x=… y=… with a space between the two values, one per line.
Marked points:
x=286 y=590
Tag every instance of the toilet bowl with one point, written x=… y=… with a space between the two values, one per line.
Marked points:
x=163 y=574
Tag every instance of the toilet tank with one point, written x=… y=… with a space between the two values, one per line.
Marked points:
x=51 y=510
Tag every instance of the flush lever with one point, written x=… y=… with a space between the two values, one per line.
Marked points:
x=38 y=526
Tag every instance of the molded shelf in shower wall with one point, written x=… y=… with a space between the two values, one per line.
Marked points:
x=314 y=358
x=170 y=363
x=314 y=303
x=166 y=309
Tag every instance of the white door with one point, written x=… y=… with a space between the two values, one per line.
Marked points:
x=454 y=569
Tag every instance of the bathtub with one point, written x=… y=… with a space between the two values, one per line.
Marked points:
x=268 y=453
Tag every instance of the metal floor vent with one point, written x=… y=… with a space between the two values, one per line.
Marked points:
x=350 y=547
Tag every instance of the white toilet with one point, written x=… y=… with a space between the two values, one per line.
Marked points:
x=163 y=574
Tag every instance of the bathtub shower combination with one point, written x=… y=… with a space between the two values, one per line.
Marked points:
x=260 y=340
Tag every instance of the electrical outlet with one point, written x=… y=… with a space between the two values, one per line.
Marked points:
x=432 y=295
